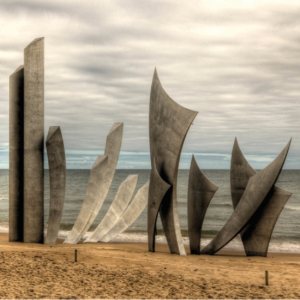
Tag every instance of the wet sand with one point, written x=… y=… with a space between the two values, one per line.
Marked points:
x=128 y=270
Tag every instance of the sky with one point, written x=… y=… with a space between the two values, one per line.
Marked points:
x=235 y=62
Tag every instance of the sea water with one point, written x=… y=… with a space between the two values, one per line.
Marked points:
x=285 y=238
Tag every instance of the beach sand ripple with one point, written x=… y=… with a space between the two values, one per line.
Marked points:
x=130 y=271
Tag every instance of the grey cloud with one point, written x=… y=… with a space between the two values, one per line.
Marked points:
x=238 y=66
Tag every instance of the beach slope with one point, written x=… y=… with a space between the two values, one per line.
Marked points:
x=123 y=270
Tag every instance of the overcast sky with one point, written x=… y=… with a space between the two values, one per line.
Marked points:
x=236 y=62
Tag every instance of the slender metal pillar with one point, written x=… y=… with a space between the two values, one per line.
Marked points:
x=57 y=174
x=16 y=154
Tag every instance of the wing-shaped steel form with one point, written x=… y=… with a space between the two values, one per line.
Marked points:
x=16 y=155
x=135 y=208
x=240 y=173
x=161 y=187
x=116 y=209
x=257 y=234
x=112 y=151
x=256 y=191
x=57 y=175
x=168 y=125
x=200 y=192
x=94 y=194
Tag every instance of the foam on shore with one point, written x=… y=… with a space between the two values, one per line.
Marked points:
x=276 y=245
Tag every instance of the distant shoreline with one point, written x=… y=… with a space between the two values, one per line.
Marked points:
x=164 y=246
x=150 y=169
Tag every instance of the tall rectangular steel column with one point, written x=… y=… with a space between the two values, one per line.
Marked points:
x=34 y=142
x=16 y=154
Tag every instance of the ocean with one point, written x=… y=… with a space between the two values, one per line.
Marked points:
x=285 y=238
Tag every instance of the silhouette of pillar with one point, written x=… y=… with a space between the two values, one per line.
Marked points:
x=34 y=142
x=16 y=154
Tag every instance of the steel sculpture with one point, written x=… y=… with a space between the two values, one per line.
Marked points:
x=256 y=191
x=34 y=142
x=112 y=152
x=161 y=187
x=57 y=175
x=168 y=125
x=116 y=209
x=93 y=195
x=135 y=208
x=16 y=155
x=257 y=234
x=200 y=192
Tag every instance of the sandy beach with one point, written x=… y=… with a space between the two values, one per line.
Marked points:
x=123 y=270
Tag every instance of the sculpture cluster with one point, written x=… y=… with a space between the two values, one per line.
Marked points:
x=26 y=147
x=256 y=200
x=26 y=154
x=120 y=215
x=26 y=170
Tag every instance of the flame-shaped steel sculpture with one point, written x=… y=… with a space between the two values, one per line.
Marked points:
x=168 y=125
x=257 y=234
x=112 y=151
x=257 y=189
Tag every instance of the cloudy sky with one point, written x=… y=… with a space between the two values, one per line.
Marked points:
x=236 y=62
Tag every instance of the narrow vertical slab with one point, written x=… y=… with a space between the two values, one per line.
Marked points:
x=34 y=142
x=161 y=187
x=240 y=173
x=112 y=151
x=57 y=176
x=121 y=200
x=94 y=193
x=168 y=125
x=256 y=191
x=16 y=154
x=257 y=234
x=200 y=192
x=135 y=208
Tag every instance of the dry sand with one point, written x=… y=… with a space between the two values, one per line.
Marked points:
x=123 y=270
